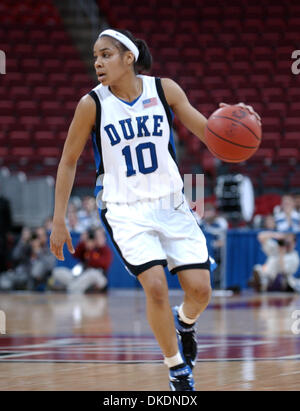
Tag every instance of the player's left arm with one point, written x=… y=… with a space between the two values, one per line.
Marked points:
x=190 y=117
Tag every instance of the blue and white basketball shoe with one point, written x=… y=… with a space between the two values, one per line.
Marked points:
x=187 y=341
x=181 y=379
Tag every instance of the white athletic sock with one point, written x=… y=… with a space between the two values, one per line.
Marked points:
x=185 y=319
x=173 y=361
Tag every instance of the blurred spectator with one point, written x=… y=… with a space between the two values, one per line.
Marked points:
x=21 y=259
x=48 y=224
x=33 y=262
x=286 y=216
x=217 y=227
x=5 y=226
x=282 y=262
x=91 y=273
x=297 y=202
x=88 y=216
x=42 y=236
x=268 y=223
x=42 y=260
x=73 y=224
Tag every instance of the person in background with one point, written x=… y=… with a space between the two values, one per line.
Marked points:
x=18 y=276
x=268 y=222
x=282 y=262
x=41 y=260
x=94 y=261
x=216 y=226
x=5 y=226
x=286 y=216
x=88 y=216
x=48 y=224
x=297 y=202
x=73 y=223
x=33 y=262
x=42 y=236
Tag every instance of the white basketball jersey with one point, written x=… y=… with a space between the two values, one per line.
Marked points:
x=133 y=145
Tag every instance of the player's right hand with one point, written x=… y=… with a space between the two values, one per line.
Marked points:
x=59 y=236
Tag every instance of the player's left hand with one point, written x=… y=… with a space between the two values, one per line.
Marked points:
x=249 y=108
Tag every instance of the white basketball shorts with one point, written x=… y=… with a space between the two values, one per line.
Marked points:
x=156 y=232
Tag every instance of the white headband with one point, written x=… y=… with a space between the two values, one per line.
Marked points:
x=122 y=39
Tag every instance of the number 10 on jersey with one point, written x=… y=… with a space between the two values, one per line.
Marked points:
x=139 y=152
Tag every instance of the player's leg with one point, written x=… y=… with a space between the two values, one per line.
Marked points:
x=158 y=308
x=197 y=292
x=187 y=255
x=160 y=318
x=131 y=231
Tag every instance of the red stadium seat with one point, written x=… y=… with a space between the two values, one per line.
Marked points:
x=6 y=107
x=14 y=79
x=26 y=107
x=58 y=79
x=291 y=124
x=3 y=153
x=35 y=79
x=270 y=94
x=293 y=138
x=51 y=108
x=52 y=65
x=45 y=138
x=263 y=155
x=49 y=151
x=30 y=65
x=287 y=155
x=44 y=92
x=56 y=123
x=271 y=124
x=45 y=50
x=265 y=203
x=3 y=138
x=20 y=138
x=295 y=180
x=19 y=92
x=30 y=121
x=25 y=151
x=6 y=122
x=59 y=37
x=37 y=36
x=24 y=50
x=16 y=35
x=274 y=179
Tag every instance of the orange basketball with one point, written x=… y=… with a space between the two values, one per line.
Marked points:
x=232 y=134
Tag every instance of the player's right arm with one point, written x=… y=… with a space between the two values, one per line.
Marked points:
x=78 y=134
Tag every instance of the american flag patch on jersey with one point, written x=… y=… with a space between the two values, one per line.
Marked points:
x=150 y=102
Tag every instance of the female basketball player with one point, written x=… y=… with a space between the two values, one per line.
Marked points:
x=143 y=207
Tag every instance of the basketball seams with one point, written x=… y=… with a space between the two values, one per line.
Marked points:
x=239 y=122
x=231 y=142
x=228 y=159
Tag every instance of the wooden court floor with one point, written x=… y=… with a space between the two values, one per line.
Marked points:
x=94 y=342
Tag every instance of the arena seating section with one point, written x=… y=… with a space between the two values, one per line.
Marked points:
x=231 y=52
x=44 y=81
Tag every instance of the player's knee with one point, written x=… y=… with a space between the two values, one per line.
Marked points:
x=201 y=292
x=157 y=291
